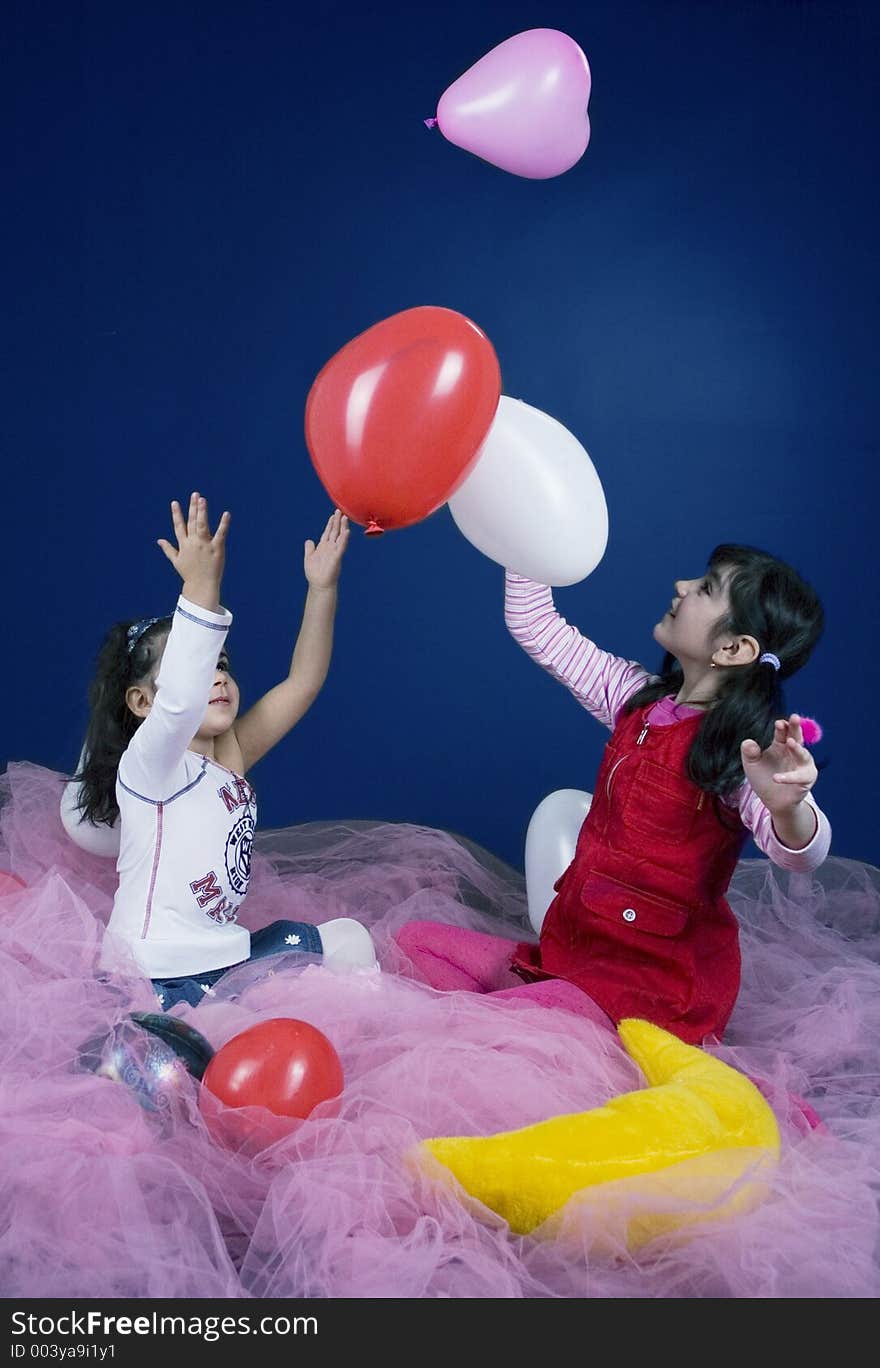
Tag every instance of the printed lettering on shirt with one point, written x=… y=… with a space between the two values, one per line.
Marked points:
x=242 y=795
x=206 y=888
x=238 y=853
x=224 y=912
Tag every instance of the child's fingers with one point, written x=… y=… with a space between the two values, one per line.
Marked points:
x=219 y=536
x=202 y=528
x=177 y=521
x=803 y=776
x=795 y=729
x=804 y=770
x=750 y=750
x=308 y=548
x=192 y=514
x=168 y=550
x=803 y=760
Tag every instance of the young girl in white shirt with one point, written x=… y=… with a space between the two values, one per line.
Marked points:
x=166 y=755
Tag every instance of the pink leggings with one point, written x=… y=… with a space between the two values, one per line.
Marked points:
x=452 y=958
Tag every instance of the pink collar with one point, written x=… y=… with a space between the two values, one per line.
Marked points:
x=666 y=711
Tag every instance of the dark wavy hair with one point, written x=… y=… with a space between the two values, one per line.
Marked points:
x=771 y=602
x=112 y=724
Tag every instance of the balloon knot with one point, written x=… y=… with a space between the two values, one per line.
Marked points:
x=373 y=529
x=430 y=123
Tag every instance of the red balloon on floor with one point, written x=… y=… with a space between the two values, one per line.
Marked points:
x=284 y=1065
x=395 y=420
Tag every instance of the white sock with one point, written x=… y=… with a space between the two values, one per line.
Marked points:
x=347 y=945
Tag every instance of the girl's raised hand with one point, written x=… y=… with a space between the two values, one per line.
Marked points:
x=322 y=563
x=783 y=774
x=199 y=557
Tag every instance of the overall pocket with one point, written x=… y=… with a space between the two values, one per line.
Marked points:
x=633 y=912
x=639 y=946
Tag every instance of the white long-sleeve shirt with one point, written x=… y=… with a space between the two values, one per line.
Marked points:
x=602 y=683
x=186 y=823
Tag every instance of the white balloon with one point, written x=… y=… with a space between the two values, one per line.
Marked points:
x=533 y=501
x=550 y=845
x=97 y=839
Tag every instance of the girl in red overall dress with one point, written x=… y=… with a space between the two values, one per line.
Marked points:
x=700 y=757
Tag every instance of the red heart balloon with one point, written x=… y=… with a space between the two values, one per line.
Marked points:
x=284 y=1065
x=396 y=419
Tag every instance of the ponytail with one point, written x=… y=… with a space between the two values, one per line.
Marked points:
x=112 y=724
x=772 y=603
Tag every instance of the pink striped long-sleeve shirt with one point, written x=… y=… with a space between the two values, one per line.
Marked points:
x=602 y=683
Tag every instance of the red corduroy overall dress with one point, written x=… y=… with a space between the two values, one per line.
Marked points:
x=639 y=921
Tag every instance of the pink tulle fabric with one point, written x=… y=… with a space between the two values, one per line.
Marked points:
x=102 y=1198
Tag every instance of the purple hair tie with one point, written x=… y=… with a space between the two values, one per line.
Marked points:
x=768 y=658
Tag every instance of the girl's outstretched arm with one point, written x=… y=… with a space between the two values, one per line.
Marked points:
x=600 y=682
x=272 y=717
x=198 y=633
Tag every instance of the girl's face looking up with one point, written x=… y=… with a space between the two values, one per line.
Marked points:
x=689 y=627
x=222 y=708
x=223 y=703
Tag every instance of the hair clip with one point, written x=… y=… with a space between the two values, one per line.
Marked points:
x=137 y=629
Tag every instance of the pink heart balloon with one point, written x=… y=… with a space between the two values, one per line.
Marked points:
x=523 y=106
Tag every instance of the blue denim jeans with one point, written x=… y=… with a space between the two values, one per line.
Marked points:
x=279 y=938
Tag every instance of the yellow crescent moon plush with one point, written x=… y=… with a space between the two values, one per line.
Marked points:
x=701 y=1129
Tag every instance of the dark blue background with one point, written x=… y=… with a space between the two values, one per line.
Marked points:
x=205 y=202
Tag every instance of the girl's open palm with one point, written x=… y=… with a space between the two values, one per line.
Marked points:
x=322 y=563
x=199 y=556
x=783 y=774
